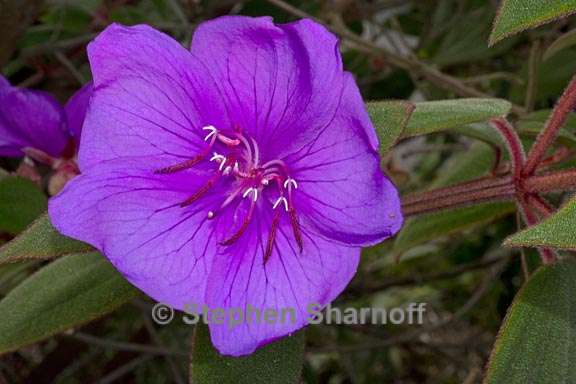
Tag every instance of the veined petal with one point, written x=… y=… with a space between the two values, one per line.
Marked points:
x=342 y=191
x=134 y=217
x=290 y=282
x=281 y=83
x=30 y=118
x=151 y=98
x=76 y=108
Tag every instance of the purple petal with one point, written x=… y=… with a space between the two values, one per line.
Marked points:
x=342 y=191
x=133 y=216
x=289 y=281
x=76 y=108
x=30 y=119
x=151 y=98
x=281 y=84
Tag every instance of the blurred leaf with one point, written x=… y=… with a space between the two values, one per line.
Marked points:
x=389 y=119
x=566 y=40
x=64 y=294
x=431 y=226
x=517 y=15
x=473 y=163
x=465 y=41
x=277 y=363
x=434 y=116
x=40 y=241
x=21 y=201
x=555 y=232
x=537 y=342
x=553 y=76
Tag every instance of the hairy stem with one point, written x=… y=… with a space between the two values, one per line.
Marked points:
x=557 y=119
x=551 y=182
x=514 y=144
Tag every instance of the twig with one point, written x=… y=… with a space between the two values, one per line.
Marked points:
x=457 y=271
x=409 y=336
x=436 y=77
x=124 y=346
x=124 y=370
x=533 y=63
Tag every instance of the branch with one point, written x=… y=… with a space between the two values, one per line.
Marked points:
x=434 y=76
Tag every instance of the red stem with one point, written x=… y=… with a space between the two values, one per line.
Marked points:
x=555 y=122
x=514 y=144
x=550 y=182
x=546 y=254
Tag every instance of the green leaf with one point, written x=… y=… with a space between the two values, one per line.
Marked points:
x=467 y=165
x=40 y=241
x=555 y=232
x=21 y=201
x=517 y=15
x=64 y=294
x=537 y=341
x=390 y=119
x=276 y=363
x=434 y=116
x=565 y=41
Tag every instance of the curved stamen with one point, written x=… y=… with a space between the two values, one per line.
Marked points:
x=283 y=200
x=212 y=129
x=243 y=227
x=252 y=190
x=296 y=228
x=272 y=236
x=200 y=192
x=196 y=159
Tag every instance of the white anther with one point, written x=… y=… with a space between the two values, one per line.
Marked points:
x=210 y=214
x=265 y=181
x=212 y=129
x=217 y=157
x=249 y=191
x=281 y=199
x=227 y=170
x=290 y=181
x=222 y=164
x=236 y=167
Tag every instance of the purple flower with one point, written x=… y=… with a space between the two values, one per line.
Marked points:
x=34 y=120
x=244 y=173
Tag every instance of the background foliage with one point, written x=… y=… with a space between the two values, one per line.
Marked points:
x=432 y=53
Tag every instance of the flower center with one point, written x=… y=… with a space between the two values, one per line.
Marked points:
x=240 y=159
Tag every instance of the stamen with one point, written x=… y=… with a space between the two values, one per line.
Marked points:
x=228 y=141
x=296 y=228
x=290 y=182
x=217 y=157
x=243 y=227
x=271 y=236
x=281 y=199
x=210 y=215
x=200 y=192
x=251 y=190
x=181 y=166
x=212 y=129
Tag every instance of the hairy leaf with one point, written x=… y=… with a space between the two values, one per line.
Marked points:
x=389 y=119
x=21 y=201
x=64 y=294
x=277 y=363
x=555 y=232
x=537 y=342
x=434 y=116
x=40 y=241
x=517 y=15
